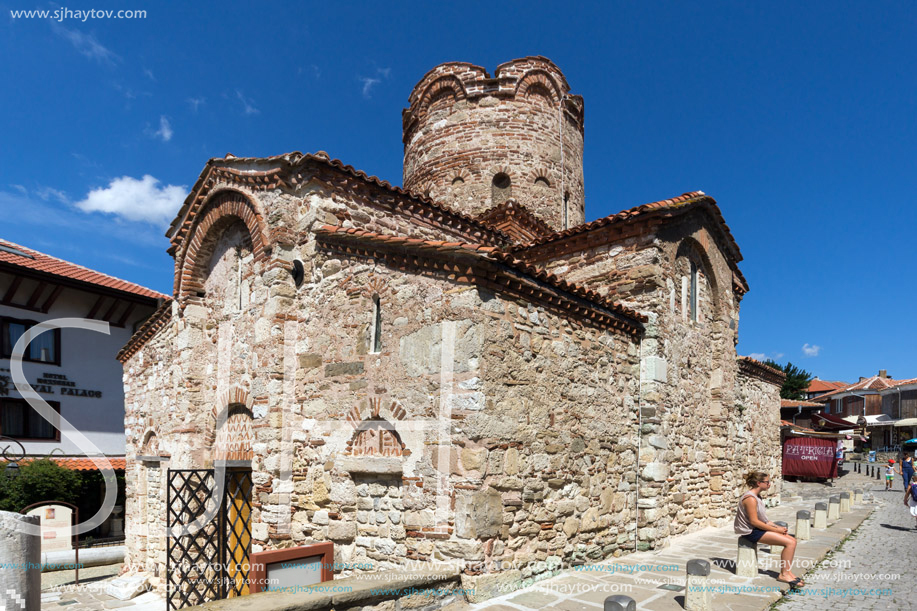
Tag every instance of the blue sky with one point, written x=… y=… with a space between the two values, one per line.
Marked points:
x=799 y=118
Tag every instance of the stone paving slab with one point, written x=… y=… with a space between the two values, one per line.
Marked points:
x=89 y=595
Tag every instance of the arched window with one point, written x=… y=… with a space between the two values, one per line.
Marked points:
x=500 y=188
x=693 y=295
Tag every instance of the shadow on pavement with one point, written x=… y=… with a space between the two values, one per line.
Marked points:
x=893 y=527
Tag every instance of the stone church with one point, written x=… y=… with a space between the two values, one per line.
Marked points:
x=459 y=368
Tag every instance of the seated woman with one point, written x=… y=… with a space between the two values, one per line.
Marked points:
x=752 y=523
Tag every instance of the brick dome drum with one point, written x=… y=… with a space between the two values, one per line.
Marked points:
x=474 y=141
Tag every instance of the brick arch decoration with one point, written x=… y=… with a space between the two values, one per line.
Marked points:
x=220 y=211
x=540 y=172
x=231 y=435
x=440 y=87
x=374 y=434
x=538 y=81
x=693 y=249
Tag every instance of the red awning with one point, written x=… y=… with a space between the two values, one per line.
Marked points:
x=827 y=422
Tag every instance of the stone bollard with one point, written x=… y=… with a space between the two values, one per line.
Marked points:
x=778 y=549
x=834 y=507
x=697 y=594
x=858 y=496
x=845 y=502
x=20 y=588
x=747 y=558
x=802 y=525
x=869 y=470
x=878 y=472
x=620 y=603
x=821 y=515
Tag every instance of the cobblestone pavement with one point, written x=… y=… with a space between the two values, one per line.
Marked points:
x=875 y=567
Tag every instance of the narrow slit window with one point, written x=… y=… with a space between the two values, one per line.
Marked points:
x=693 y=292
x=377 y=324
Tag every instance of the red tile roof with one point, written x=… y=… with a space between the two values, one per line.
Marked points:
x=147 y=330
x=118 y=463
x=516 y=220
x=286 y=166
x=761 y=371
x=875 y=383
x=35 y=261
x=821 y=386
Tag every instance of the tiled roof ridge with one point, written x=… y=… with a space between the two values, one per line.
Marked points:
x=487 y=252
x=678 y=203
x=146 y=331
x=295 y=159
x=760 y=370
x=798 y=403
x=74 y=271
x=513 y=208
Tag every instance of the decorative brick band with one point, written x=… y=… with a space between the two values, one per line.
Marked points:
x=489 y=268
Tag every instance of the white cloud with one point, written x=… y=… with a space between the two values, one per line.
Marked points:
x=164 y=132
x=758 y=356
x=371 y=81
x=196 y=103
x=47 y=194
x=136 y=200
x=368 y=84
x=149 y=74
x=812 y=350
x=88 y=45
x=248 y=105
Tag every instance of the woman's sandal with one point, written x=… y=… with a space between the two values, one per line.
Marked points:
x=795 y=584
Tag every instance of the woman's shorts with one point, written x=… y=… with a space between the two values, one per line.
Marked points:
x=756 y=533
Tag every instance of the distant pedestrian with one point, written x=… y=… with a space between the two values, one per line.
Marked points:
x=751 y=522
x=906 y=470
x=910 y=497
x=890 y=474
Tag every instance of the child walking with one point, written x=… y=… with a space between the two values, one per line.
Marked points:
x=890 y=474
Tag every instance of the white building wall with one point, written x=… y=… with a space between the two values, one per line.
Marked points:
x=88 y=362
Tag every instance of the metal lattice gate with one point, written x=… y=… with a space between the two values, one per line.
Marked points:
x=212 y=563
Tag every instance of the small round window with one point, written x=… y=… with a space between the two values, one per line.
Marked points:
x=501 y=181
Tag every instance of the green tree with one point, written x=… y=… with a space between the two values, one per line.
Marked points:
x=797 y=380
x=39 y=480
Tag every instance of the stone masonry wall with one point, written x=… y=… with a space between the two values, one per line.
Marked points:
x=696 y=445
x=486 y=428
x=757 y=432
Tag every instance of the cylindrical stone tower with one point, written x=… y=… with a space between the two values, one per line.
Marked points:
x=473 y=142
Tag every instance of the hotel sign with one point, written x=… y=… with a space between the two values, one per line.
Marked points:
x=50 y=383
